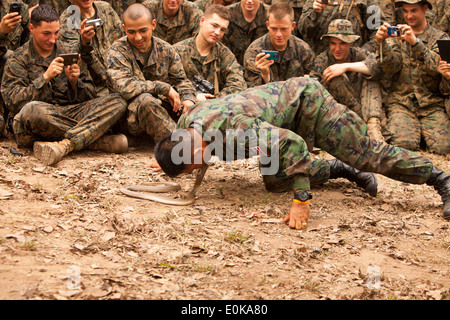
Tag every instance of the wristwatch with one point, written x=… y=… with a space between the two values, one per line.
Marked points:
x=417 y=41
x=303 y=196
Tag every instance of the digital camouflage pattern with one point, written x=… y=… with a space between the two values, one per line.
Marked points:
x=230 y=75
x=59 y=5
x=341 y=29
x=93 y=54
x=241 y=33
x=184 y=25
x=441 y=15
x=359 y=92
x=305 y=115
x=54 y=110
x=415 y=104
x=313 y=25
x=132 y=77
x=121 y=5
x=295 y=61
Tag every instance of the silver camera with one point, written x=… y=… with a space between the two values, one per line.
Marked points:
x=94 y=22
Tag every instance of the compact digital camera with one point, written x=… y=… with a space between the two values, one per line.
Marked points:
x=94 y=22
x=273 y=54
x=393 y=31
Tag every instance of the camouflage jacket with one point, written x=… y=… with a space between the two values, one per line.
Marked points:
x=59 y=5
x=296 y=61
x=313 y=25
x=23 y=81
x=441 y=17
x=121 y=5
x=105 y=35
x=183 y=26
x=130 y=76
x=240 y=33
x=20 y=34
x=414 y=69
x=230 y=76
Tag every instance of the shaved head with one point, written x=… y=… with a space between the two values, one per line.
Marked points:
x=137 y=11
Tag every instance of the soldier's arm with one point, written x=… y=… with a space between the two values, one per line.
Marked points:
x=252 y=74
x=232 y=72
x=179 y=79
x=307 y=24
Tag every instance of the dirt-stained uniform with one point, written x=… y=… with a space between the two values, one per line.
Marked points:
x=305 y=115
x=415 y=104
x=219 y=67
x=295 y=61
x=241 y=33
x=94 y=54
x=313 y=25
x=54 y=111
x=184 y=25
x=360 y=92
x=145 y=85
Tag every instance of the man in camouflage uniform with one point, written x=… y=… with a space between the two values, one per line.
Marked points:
x=415 y=105
x=441 y=16
x=296 y=115
x=365 y=16
x=53 y=102
x=295 y=57
x=14 y=32
x=176 y=19
x=148 y=73
x=121 y=5
x=203 y=4
x=92 y=42
x=248 y=23
x=205 y=56
x=349 y=74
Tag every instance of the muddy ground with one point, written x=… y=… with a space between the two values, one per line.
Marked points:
x=66 y=232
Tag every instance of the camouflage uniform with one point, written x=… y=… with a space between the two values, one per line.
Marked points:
x=441 y=15
x=121 y=5
x=229 y=75
x=305 y=115
x=59 y=5
x=415 y=105
x=53 y=111
x=183 y=26
x=8 y=43
x=312 y=25
x=145 y=85
x=240 y=33
x=94 y=53
x=295 y=61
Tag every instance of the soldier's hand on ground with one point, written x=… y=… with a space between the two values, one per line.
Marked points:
x=174 y=99
x=156 y=167
x=382 y=34
x=204 y=96
x=298 y=216
x=87 y=33
x=318 y=6
x=9 y=22
x=444 y=69
x=55 y=68
x=334 y=71
x=263 y=65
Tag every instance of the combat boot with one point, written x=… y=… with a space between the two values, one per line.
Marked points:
x=374 y=129
x=365 y=180
x=116 y=143
x=52 y=152
x=440 y=181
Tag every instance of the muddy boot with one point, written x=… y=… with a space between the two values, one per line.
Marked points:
x=440 y=181
x=365 y=180
x=116 y=143
x=374 y=129
x=52 y=152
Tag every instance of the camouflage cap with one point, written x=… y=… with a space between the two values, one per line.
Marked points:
x=341 y=29
x=398 y=3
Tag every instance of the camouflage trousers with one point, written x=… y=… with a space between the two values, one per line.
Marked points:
x=81 y=123
x=367 y=104
x=343 y=134
x=409 y=128
x=149 y=115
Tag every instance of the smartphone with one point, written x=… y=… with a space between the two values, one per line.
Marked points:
x=69 y=58
x=15 y=7
x=94 y=22
x=273 y=54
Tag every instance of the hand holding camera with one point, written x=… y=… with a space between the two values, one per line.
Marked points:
x=87 y=29
x=10 y=21
x=402 y=31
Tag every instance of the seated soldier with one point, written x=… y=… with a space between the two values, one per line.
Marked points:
x=347 y=73
x=365 y=16
x=295 y=57
x=205 y=56
x=415 y=106
x=92 y=41
x=56 y=102
x=248 y=23
x=14 y=32
x=148 y=73
x=288 y=118
x=176 y=19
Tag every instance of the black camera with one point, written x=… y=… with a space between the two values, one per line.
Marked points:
x=15 y=7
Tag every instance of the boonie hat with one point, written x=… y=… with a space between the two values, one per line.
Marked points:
x=398 y=3
x=341 y=29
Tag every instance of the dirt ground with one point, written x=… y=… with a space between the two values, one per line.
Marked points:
x=67 y=232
